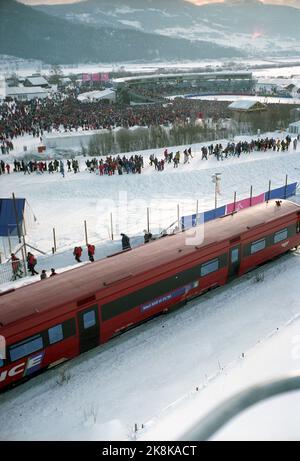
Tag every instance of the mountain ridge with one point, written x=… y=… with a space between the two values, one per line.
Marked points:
x=30 y=33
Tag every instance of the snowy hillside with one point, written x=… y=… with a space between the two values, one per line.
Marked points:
x=251 y=25
x=149 y=376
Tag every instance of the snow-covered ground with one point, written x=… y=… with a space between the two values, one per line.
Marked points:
x=149 y=375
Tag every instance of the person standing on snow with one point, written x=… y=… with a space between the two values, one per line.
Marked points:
x=16 y=267
x=31 y=261
x=62 y=169
x=147 y=236
x=91 y=252
x=77 y=253
x=125 y=242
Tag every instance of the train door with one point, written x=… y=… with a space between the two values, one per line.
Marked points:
x=234 y=261
x=89 y=328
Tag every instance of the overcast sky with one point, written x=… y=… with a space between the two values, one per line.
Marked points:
x=278 y=2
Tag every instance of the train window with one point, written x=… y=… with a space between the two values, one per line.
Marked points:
x=258 y=246
x=209 y=267
x=89 y=319
x=55 y=334
x=280 y=235
x=235 y=255
x=1 y=363
x=27 y=347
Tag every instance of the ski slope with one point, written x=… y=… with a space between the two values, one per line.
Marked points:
x=149 y=376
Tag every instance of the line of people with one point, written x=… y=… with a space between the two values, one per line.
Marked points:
x=235 y=149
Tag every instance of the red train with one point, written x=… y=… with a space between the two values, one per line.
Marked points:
x=50 y=321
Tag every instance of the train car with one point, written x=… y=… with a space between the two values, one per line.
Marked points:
x=54 y=320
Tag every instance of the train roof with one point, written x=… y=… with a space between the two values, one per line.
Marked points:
x=77 y=284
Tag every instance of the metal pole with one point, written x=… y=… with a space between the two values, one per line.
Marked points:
x=9 y=245
x=85 y=233
x=24 y=261
x=234 y=202
x=148 y=220
x=251 y=195
x=16 y=216
x=54 y=239
x=216 y=197
x=286 y=184
x=269 y=192
x=18 y=230
x=178 y=216
x=197 y=212
x=111 y=226
x=23 y=238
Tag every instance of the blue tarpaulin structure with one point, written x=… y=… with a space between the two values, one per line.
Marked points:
x=11 y=215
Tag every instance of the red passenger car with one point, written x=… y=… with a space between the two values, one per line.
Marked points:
x=48 y=322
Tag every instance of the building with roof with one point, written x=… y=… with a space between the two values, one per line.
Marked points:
x=294 y=128
x=27 y=93
x=184 y=83
x=36 y=81
x=245 y=105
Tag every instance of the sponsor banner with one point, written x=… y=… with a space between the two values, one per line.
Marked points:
x=164 y=298
x=96 y=77
x=245 y=203
x=213 y=214
x=86 y=77
x=105 y=77
x=282 y=192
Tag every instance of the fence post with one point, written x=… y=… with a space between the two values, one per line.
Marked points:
x=269 y=192
x=111 y=226
x=148 y=220
x=286 y=184
x=54 y=240
x=16 y=216
x=251 y=195
x=234 y=202
x=85 y=233
x=24 y=261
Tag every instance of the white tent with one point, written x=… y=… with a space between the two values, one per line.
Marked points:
x=107 y=94
x=246 y=105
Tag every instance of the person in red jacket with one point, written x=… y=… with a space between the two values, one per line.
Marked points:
x=91 y=252
x=16 y=267
x=31 y=262
x=77 y=253
x=7 y=166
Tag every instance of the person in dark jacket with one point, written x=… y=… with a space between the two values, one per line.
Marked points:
x=147 y=236
x=53 y=273
x=125 y=242
x=43 y=274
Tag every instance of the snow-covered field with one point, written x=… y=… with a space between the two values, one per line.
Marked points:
x=149 y=375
